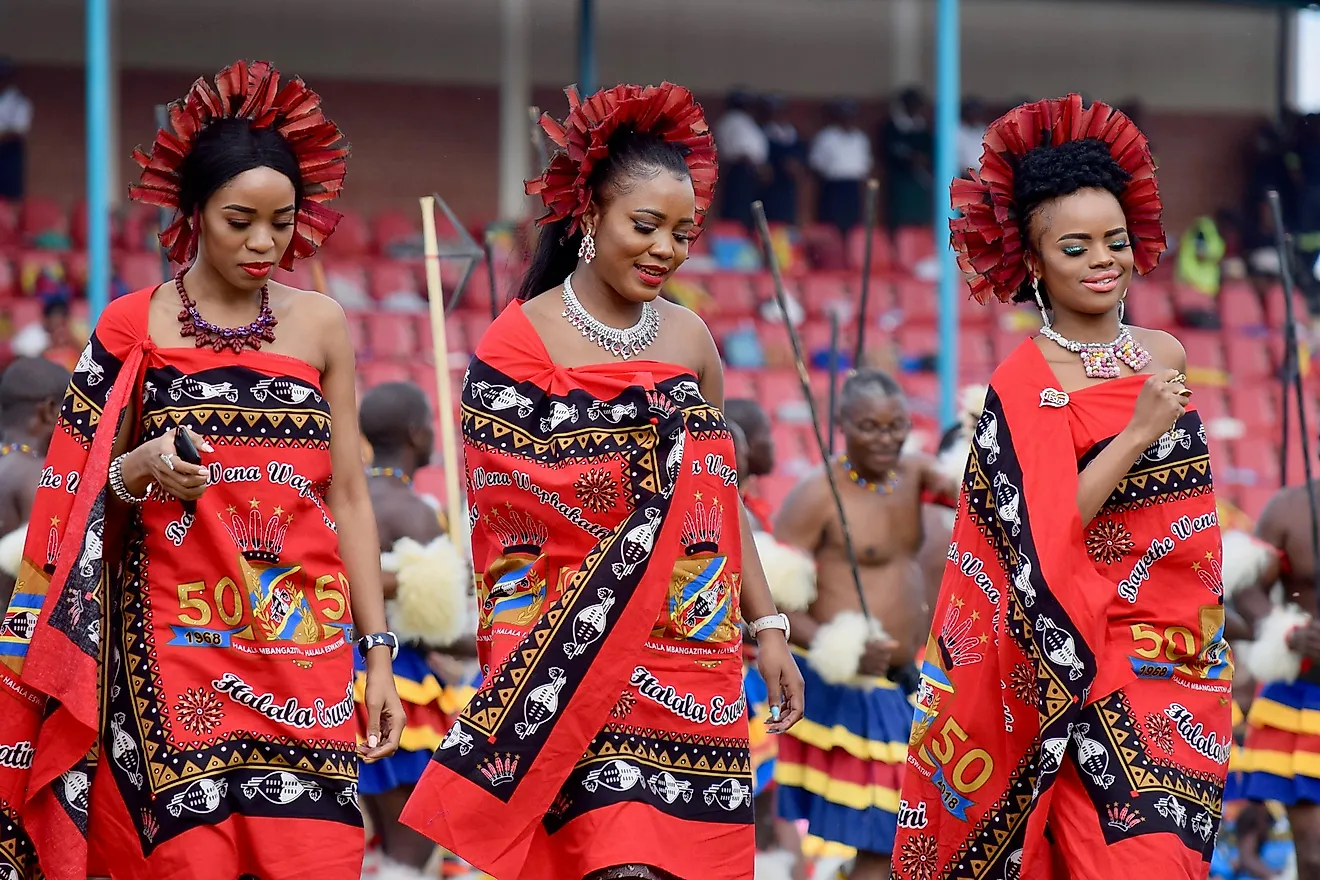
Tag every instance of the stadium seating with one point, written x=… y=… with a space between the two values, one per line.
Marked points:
x=371 y=265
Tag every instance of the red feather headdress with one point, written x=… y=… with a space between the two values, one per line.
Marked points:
x=666 y=111
x=987 y=235
x=252 y=92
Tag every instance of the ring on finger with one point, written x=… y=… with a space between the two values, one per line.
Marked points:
x=168 y=458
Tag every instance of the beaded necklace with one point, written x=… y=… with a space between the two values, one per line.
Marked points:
x=396 y=473
x=885 y=488
x=237 y=338
x=16 y=448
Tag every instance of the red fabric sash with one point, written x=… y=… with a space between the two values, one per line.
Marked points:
x=544 y=699
x=1018 y=574
x=50 y=643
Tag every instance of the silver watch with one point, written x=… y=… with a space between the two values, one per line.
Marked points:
x=773 y=621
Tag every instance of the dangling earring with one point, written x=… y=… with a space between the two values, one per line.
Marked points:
x=1120 y=309
x=587 y=250
x=1040 y=301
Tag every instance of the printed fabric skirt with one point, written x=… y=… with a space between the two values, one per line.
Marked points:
x=1280 y=760
x=841 y=767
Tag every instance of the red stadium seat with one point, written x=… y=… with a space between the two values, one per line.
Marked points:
x=1240 y=307
x=731 y=292
x=41 y=216
x=392 y=278
x=357 y=333
x=396 y=229
x=373 y=373
x=392 y=336
x=1253 y=408
x=139 y=269
x=1204 y=349
x=882 y=255
x=912 y=244
x=1248 y=359
x=918 y=300
x=741 y=384
x=10 y=221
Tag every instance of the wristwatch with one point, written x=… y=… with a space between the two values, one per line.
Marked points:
x=773 y=621
x=375 y=640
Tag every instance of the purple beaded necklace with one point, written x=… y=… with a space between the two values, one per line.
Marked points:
x=205 y=333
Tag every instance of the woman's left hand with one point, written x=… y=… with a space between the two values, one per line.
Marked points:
x=783 y=680
x=384 y=710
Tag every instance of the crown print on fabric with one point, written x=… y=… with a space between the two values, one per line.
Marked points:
x=702 y=527
x=518 y=532
x=499 y=769
x=258 y=539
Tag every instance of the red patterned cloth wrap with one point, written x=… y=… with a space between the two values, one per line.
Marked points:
x=253 y=92
x=178 y=694
x=987 y=232
x=611 y=723
x=1110 y=731
x=666 y=111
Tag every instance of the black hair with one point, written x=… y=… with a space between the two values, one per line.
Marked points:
x=1048 y=172
x=747 y=414
x=225 y=149
x=26 y=384
x=952 y=437
x=868 y=379
x=630 y=155
x=389 y=414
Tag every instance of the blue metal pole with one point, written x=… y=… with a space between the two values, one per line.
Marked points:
x=98 y=156
x=947 y=101
x=587 y=47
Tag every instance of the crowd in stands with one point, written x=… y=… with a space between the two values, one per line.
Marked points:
x=1218 y=287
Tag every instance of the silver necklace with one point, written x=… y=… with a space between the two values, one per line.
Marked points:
x=1100 y=359
x=626 y=343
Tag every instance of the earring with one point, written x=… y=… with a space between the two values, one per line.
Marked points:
x=1040 y=301
x=1120 y=310
x=587 y=250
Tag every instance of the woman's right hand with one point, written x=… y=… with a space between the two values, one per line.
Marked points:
x=1159 y=405
x=148 y=464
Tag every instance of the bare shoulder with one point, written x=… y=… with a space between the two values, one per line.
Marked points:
x=688 y=335
x=544 y=308
x=314 y=308
x=1164 y=347
x=812 y=489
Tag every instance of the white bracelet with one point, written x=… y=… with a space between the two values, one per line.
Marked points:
x=118 y=486
x=771 y=621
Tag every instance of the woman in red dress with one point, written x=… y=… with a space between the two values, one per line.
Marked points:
x=177 y=656
x=614 y=560
x=1084 y=573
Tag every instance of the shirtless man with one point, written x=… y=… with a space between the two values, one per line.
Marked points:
x=396 y=420
x=31 y=391
x=1280 y=752
x=858 y=672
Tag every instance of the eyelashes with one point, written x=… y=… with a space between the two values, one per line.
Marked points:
x=1121 y=244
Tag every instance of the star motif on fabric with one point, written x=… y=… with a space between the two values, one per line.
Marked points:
x=278 y=510
x=254 y=503
x=54 y=520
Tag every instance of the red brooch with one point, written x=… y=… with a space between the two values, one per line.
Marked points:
x=987 y=236
x=667 y=111
x=253 y=92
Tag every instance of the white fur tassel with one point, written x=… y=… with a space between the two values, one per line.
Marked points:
x=1246 y=559
x=837 y=649
x=431 y=603
x=790 y=572
x=1270 y=658
x=775 y=865
x=11 y=550
x=953 y=461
